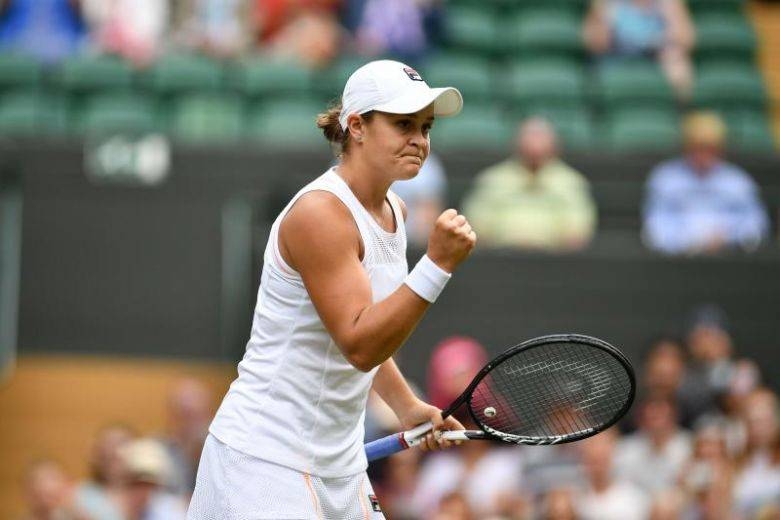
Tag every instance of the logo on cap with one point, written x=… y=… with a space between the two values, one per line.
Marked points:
x=413 y=74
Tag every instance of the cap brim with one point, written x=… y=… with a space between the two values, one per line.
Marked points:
x=447 y=101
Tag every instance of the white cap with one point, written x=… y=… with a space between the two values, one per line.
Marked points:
x=390 y=86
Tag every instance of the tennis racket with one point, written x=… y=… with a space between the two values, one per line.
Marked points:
x=548 y=390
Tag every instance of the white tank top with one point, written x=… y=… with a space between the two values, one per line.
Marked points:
x=297 y=401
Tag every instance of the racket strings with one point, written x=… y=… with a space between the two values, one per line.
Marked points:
x=553 y=390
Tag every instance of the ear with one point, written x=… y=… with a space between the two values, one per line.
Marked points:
x=355 y=127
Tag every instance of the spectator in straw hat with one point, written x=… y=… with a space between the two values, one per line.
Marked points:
x=149 y=472
x=700 y=203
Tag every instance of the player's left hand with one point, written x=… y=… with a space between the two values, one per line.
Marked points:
x=422 y=412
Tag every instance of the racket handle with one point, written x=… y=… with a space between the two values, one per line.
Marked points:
x=396 y=442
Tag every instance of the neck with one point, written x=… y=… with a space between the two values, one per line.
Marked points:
x=361 y=179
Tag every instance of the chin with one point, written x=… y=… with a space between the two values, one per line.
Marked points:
x=409 y=172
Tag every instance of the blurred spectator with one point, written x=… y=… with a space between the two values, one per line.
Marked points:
x=707 y=479
x=489 y=478
x=653 y=456
x=48 y=30
x=133 y=29
x=607 y=498
x=757 y=486
x=644 y=29
x=101 y=497
x=664 y=369
x=558 y=504
x=708 y=376
x=424 y=196
x=533 y=200
x=395 y=28
x=667 y=505
x=398 y=485
x=48 y=493
x=307 y=31
x=220 y=28
x=700 y=203
x=149 y=473
x=486 y=475
x=453 y=506
x=190 y=411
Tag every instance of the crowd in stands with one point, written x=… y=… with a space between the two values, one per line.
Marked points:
x=131 y=477
x=613 y=72
x=702 y=442
x=313 y=31
x=694 y=204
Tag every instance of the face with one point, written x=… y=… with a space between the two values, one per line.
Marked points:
x=536 y=145
x=46 y=487
x=709 y=344
x=703 y=156
x=395 y=144
x=106 y=460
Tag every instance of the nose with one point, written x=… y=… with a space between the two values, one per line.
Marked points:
x=419 y=140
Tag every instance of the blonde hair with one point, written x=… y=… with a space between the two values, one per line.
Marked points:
x=704 y=127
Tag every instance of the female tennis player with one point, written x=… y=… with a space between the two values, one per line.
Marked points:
x=335 y=302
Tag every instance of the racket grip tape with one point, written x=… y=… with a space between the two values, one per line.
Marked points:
x=396 y=442
x=385 y=446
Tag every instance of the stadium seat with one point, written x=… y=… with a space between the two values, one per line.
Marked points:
x=544 y=83
x=531 y=31
x=729 y=85
x=478 y=126
x=472 y=76
x=289 y=123
x=185 y=73
x=19 y=71
x=633 y=83
x=87 y=73
x=330 y=82
x=642 y=129
x=721 y=6
x=263 y=76
x=749 y=130
x=724 y=36
x=473 y=28
x=118 y=113
x=26 y=112
x=207 y=117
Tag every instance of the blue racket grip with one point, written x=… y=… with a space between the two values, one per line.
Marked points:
x=385 y=446
x=396 y=442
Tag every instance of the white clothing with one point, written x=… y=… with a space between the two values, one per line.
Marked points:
x=653 y=471
x=498 y=472
x=621 y=501
x=297 y=401
x=234 y=486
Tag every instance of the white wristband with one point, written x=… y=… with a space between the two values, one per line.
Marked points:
x=427 y=279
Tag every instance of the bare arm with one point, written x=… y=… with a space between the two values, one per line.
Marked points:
x=681 y=31
x=320 y=240
x=411 y=411
x=596 y=32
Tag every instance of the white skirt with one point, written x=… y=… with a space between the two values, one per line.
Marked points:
x=234 y=486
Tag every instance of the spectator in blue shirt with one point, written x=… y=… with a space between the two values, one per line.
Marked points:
x=48 y=30
x=700 y=203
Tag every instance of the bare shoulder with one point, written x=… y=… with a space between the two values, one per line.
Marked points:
x=402 y=204
x=318 y=223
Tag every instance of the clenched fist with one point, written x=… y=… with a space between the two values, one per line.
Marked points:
x=451 y=240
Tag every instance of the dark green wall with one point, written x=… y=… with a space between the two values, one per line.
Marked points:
x=172 y=270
